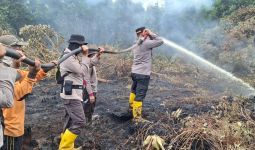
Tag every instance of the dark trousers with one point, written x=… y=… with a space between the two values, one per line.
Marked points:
x=89 y=107
x=74 y=116
x=140 y=85
x=12 y=143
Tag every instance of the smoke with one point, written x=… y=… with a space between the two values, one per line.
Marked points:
x=149 y=3
x=179 y=6
x=94 y=2
x=182 y=21
x=114 y=21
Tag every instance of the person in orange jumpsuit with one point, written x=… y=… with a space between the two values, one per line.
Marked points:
x=14 y=117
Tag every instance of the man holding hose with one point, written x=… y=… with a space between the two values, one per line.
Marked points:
x=141 y=69
x=76 y=78
x=14 y=117
x=8 y=76
x=87 y=105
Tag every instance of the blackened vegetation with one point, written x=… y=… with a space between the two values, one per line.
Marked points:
x=186 y=112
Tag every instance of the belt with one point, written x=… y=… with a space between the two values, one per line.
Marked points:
x=77 y=87
x=73 y=87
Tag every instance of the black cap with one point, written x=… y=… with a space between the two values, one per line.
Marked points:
x=78 y=39
x=139 y=30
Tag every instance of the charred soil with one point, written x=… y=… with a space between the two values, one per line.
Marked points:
x=184 y=103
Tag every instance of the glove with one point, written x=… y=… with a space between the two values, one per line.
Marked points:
x=34 y=69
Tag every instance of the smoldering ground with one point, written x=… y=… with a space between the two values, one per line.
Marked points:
x=180 y=86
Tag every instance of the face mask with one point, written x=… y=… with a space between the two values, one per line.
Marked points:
x=140 y=40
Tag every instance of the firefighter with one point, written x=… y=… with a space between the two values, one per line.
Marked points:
x=141 y=69
x=7 y=79
x=14 y=117
x=87 y=105
x=76 y=78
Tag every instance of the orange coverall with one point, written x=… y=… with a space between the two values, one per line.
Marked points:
x=14 y=117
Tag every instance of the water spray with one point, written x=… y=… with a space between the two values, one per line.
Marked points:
x=202 y=60
x=250 y=89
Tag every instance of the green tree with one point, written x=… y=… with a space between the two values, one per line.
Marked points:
x=14 y=14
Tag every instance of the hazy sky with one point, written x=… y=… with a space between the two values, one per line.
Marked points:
x=147 y=3
x=179 y=4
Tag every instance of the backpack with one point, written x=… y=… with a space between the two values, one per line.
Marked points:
x=60 y=79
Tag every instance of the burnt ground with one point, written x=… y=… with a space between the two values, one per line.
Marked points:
x=44 y=110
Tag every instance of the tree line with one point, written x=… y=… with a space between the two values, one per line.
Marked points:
x=113 y=22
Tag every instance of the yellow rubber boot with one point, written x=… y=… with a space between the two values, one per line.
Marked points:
x=137 y=113
x=67 y=141
x=131 y=100
x=137 y=110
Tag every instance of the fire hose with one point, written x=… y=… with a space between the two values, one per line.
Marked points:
x=13 y=54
